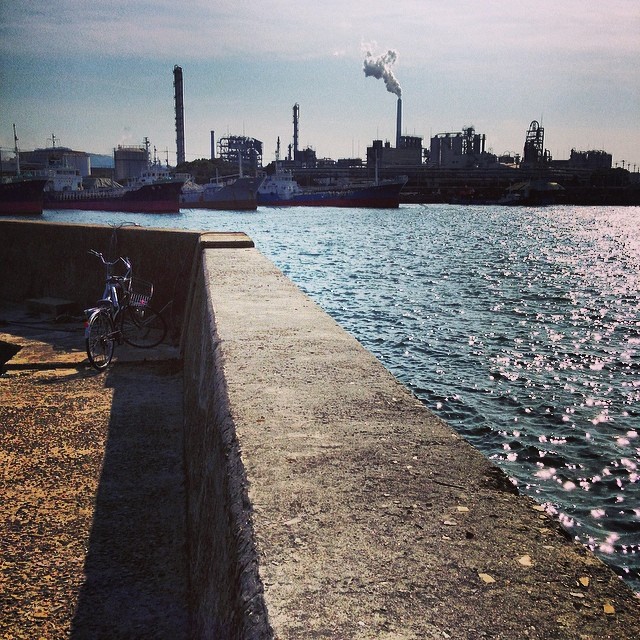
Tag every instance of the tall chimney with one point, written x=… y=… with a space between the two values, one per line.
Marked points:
x=399 y=123
x=213 y=145
x=296 y=117
x=179 y=101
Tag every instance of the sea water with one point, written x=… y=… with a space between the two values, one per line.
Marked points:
x=519 y=326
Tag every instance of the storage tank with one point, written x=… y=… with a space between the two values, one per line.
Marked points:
x=130 y=162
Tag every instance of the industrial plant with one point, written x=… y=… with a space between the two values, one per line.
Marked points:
x=454 y=167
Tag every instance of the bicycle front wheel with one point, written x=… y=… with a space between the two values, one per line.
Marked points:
x=143 y=327
x=99 y=339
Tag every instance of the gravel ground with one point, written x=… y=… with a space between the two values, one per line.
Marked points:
x=92 y=527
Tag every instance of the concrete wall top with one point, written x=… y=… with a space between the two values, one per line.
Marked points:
x=371 y=517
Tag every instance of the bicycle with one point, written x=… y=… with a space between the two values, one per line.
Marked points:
x=122 y=314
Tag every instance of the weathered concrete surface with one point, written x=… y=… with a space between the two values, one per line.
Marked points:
x=92 y=526
x=226 y=591
x=371 y=518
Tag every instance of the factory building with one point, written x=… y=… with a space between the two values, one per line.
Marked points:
x=305 y=158
x=299 y=158
x=408 y=152
x=534 y=152
x=461 y=150
x=590 y=159
x=584 y=160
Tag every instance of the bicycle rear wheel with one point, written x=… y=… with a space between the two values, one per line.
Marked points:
x=99 y=339
x=143 y=327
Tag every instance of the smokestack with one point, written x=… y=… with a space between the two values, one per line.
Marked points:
x=213 y=145
x=399 y=123
x=296 y=117
x=179 y=102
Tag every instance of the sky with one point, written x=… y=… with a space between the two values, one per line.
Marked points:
x=98 y=75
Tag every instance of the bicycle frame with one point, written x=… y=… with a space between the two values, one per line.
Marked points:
x=121 y=315
x=115 y=295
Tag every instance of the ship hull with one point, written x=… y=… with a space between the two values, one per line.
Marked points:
x=221 y=205
x=22 y=197
x=152 y=198
x=383 y=196
x=238 y=196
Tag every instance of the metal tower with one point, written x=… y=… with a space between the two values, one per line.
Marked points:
x=534 y=144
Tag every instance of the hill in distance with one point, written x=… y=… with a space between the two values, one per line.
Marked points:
x=101 y=161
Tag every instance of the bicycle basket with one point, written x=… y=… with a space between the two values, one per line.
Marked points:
x=141 y=292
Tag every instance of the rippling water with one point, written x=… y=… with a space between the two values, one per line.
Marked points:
x=519 y=326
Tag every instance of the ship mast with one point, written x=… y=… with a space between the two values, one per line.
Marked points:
x=278 y=155
x=15 y=142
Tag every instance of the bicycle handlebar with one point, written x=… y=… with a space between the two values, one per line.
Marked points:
x=125 y=261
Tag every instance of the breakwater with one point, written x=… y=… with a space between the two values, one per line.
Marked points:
x=357 y=511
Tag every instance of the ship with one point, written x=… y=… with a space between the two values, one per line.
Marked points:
x=241 y=194
x=152 y=197
x=282 y=190
x=22 y=196
x=533 y=193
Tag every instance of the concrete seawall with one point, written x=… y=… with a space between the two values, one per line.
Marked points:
x=227 y=597
x=40 y=259
x=323 y=499
x=343 y=508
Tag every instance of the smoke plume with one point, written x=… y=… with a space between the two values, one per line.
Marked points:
x=380 y=67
